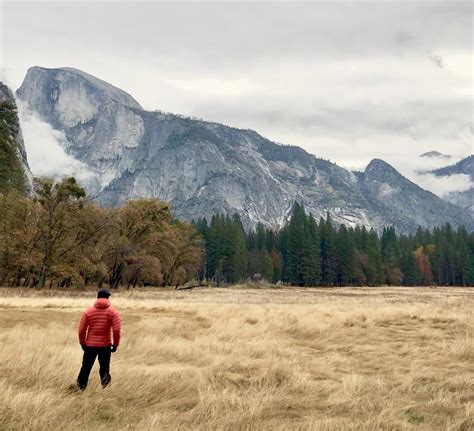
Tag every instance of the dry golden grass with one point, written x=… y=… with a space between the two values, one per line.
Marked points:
x=242 y=359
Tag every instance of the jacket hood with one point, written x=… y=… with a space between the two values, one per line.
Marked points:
x=102 y=303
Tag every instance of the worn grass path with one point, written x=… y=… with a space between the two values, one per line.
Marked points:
x=245 y=359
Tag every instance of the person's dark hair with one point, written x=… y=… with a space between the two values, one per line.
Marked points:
x=103 y=293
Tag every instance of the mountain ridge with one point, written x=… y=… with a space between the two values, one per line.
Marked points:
x=203 y=167
x=465 y=198
x=463 y=166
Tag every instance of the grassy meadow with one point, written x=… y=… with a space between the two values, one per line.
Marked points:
x=245 y=359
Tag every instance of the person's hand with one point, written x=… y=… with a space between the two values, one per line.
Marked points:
x=84 y=347
x=113 y=349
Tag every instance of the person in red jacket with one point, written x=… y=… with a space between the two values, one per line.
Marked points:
x=99 y=336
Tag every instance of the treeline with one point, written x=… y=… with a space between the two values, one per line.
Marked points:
x=307 y=252
x=60 y=238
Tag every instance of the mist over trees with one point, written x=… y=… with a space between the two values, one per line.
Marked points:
x=307 y=252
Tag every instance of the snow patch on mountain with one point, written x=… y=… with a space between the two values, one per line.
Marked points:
x=386 y=190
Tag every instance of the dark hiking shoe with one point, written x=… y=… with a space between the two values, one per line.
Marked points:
x=106 y=380
x=75 y=389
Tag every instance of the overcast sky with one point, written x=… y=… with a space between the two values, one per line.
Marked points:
x=347 y=81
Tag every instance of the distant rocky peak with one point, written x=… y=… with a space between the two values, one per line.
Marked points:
x=378 y=166
x=435 y=154
x=107 y=89
x=68 y=97
x=378 y=170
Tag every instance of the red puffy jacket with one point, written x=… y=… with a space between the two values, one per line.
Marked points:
x=98 y=323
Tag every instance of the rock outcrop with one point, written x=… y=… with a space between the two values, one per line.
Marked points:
x=14 y=171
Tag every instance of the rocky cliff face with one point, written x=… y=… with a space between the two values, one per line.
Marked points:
x=14 y=170
x=202 y=168
x=463 y=199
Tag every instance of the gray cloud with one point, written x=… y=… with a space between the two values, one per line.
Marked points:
x=45 y=148
x=347 y=81
x=437 y=60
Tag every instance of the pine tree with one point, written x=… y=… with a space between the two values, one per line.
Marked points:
x=276 y=263
x=260 y=236
x=203 y=228
x=266 y=265
x=408 y=265
x=283 y=246
x=311 y=253
x=345 y=257
x=228 y=250
x=391 y=257
x=328 y=251
x=462 y=258
x=409 y=268
x=240 y=262
x=470 y=261
x=296 y=239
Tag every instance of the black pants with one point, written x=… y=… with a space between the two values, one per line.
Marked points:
x=88 y=361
